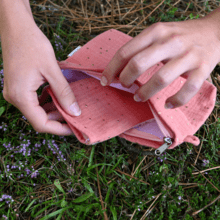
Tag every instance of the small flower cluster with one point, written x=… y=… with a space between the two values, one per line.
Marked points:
x=8 y=146
x=56 y=150
x=71 y=190
x=58 y=44
x=43 y=8
x=139 y=207
x=4 y=126
x=24 y=118
x=26 y=147
x=35 y=174
x=189 y=151
x=4 y=216
x=51 y=8
x=70 y=170
x=37 y=145
x=7 y=198
x=21 y=136
x=179 y=198
x=205 y=162
x=162 y=157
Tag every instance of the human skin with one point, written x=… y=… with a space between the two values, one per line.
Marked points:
x=29 y=61
x=188 y=48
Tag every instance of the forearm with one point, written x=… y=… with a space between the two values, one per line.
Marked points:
x=213 y=20
x=14 y=14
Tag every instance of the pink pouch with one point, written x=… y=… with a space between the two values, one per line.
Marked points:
x=111 y=111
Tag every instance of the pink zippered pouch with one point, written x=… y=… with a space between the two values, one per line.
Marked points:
x=111 y=111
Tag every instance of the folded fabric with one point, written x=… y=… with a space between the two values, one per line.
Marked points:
x=111 y=111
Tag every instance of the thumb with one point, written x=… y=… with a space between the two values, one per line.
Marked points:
x=63 y=92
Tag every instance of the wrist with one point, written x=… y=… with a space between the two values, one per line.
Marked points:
x=212 y=22
x=14 y=14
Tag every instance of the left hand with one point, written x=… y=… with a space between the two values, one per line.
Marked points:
x=187 y=48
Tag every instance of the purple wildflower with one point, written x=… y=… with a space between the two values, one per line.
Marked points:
x=34 y=174
x=205 y=162
x=58 y=43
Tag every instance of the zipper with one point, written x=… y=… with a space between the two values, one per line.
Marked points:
x=167 y=136
x=160 y=124
x=168 y=141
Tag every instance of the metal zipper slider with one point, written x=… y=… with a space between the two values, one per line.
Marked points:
x=162 y=148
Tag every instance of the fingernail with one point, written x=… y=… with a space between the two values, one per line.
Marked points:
x=168 y=105
x=137 y=98
x=104 y=81
x=75 y=109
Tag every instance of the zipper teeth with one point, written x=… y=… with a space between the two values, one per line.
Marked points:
x=160 y=124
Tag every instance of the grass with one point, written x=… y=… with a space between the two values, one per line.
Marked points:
x=44 y=176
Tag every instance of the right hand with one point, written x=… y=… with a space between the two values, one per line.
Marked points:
x=29 y=62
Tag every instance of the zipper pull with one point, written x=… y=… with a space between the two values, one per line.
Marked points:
x=162 y=148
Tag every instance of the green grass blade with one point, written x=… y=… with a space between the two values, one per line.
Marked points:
x=114 y=213
x=109 y=190
x=87 y=185
x=51 y=203
x=91 y=156
x=55 y=213
x=30 y=205
x=83 y=198
x=2 y=109
x=58 y=185
x=59 y=216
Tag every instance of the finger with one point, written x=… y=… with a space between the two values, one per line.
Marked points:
x=143 y=61
x=130 y=49
x=63 y=91
x=166 y=75
x=41 y=123
x=189 y=89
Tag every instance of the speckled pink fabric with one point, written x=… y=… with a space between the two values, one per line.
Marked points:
x=109 y=111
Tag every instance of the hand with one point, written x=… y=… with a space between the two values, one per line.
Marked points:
x=29 y=62
x=188 y=48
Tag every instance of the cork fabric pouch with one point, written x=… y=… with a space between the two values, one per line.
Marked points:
x=111 y=111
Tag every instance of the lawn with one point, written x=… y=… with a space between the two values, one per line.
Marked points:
x=44 y=176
